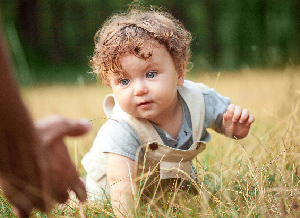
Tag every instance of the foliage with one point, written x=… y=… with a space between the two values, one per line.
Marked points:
x=228 y=34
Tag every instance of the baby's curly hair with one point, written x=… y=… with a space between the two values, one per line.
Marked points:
x=127 y=32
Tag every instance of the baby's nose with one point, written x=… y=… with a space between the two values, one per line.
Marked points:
x=140 y=88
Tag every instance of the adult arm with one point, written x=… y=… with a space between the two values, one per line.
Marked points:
x=20 y=160
x=35 y=167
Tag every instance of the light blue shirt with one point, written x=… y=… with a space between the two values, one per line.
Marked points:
x=118 y=137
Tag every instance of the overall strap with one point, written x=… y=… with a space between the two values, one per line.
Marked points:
x=192 y=95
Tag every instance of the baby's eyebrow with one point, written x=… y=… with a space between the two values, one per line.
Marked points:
x=153 y=65
x=118 y=73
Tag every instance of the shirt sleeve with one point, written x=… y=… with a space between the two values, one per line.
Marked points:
x=215 y=106
x=119 y=138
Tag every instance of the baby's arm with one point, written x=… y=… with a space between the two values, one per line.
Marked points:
x=236 y=122
x=120 y=176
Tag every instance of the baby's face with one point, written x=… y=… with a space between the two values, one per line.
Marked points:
x=147 y=88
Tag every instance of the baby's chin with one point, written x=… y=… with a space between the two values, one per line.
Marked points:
x=147 y=116
x=146 y=113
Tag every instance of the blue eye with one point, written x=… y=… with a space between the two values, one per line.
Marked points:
x=124 y=82
x=151 y=74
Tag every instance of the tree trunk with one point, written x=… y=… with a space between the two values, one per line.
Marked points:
x=58 y=11
x=28 y=22
x=213 y=44
x=298 y=22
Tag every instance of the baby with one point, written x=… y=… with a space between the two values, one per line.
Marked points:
x=156 y=118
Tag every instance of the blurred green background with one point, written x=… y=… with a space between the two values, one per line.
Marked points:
x=51 y=41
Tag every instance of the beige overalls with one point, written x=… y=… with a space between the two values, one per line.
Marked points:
x=159 y=162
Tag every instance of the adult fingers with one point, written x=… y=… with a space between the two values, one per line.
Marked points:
x=19 y=212
x=56 y=127
x=60 y=188
x=23 y=197
x=78 y=187
x=22 y=206
x=60 y=193
x=61 y=169
x=77 y=127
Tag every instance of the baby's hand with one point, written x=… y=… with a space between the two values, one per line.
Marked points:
x=236 y=122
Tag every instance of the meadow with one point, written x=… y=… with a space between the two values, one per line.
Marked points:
x=254 y=177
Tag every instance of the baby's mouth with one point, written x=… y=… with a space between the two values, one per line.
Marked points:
x=144 y=104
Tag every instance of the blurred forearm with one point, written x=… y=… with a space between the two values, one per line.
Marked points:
x=18 y=143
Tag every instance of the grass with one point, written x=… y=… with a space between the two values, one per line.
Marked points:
x=254 y=177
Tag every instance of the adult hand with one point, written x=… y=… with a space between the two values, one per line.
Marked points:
x=236 y=122
x=60 y=171
x=57 y=174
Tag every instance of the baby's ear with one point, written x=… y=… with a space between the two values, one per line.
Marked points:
x=181 y=74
